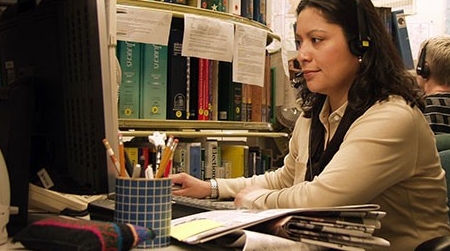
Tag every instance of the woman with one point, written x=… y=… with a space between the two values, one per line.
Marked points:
x=364 y=109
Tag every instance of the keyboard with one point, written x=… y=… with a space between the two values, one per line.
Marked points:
x=103 y=209
x=207 y=204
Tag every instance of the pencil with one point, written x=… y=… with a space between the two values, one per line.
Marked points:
x=122 y=157
x=167 y=153
x=111 y=155
x=170 y=162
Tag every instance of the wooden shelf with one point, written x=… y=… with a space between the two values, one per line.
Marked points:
x=194 y=128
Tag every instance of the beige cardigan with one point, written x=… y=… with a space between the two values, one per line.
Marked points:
x=387 y=157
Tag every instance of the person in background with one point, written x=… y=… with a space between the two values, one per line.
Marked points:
x=433 y=75
x=361 y=138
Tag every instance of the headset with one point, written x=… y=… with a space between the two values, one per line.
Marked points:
x=422 y=68
x=359 y=45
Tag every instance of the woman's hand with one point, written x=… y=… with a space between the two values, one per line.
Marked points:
x=242 y=199
x=190 y=186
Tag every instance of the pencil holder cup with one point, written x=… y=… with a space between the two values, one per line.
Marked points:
x=147 y=203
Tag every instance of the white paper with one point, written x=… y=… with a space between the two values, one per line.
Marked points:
x=249 y=55
x=207 y=38
x=143 y=25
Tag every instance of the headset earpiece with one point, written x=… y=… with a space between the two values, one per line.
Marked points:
x=422 y=68
x=359 y=45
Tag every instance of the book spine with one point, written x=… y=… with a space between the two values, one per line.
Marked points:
x=211 y=158
x=234 y=7
x=154 y=82
x=193 y=80
x=402 y=38
x=237 y=101
x=201 y=88
x=230 y=98
x=133 y=155
x=259 y=11
x=256 y=95
x=129 y=56
x=203 y=165
x=194 y=3
x=269 y=103
x=184 y=2
x=180 y=159
x=176 y=78
x=208 y=90
x=195 y=160
x=236 y=156
x=215 y=5
x=247 y=8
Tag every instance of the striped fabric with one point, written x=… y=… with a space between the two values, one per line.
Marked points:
x=437 y=112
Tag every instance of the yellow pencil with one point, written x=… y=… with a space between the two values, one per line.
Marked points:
x=166 y=156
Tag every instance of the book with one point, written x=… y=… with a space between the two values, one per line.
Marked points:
x=215 y=5
x=260 y=11
x=246 y=103
x=211 y=158
x=234 y=7
x=195 y=160
x=203 y=89
x=176 y=77
x=154 y=82
x=194 y=3
x=206 y=226
x=129 y=56
x=401 y=38
x=184 y=2
x=254 y=165
x=237 y=157
x=247 y=9
x=181 y=158
x=192 y=74
x=230 y=98
x=257 y=93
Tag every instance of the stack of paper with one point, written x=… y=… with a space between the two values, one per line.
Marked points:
x=342 y=228
x=345 y=230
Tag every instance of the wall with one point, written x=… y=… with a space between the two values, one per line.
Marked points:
x=427 y=21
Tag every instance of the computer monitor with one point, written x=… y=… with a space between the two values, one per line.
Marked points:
x=58 y=53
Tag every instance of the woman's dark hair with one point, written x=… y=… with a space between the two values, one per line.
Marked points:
x=382 y=70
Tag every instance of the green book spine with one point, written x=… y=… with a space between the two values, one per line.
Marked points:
x=154 y=82
x=215 y=5
x=129 y=56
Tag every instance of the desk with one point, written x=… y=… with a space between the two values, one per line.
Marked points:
x=18 y=247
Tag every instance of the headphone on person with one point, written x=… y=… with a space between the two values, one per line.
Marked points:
x=422 y=68
x=360 y=44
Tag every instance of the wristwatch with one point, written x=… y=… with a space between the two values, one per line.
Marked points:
x=214 y=189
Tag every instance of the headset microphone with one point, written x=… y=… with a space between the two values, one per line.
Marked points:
x=422 y=68
x=297 y=80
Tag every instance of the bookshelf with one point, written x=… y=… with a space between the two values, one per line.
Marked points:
x=178 y=11
x=257 y=133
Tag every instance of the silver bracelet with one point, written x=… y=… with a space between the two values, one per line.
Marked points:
x=214 y=189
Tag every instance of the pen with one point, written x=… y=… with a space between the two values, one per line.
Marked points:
x=166 y=156
x=111 y=155
x=149 y=172
x=136 y=171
